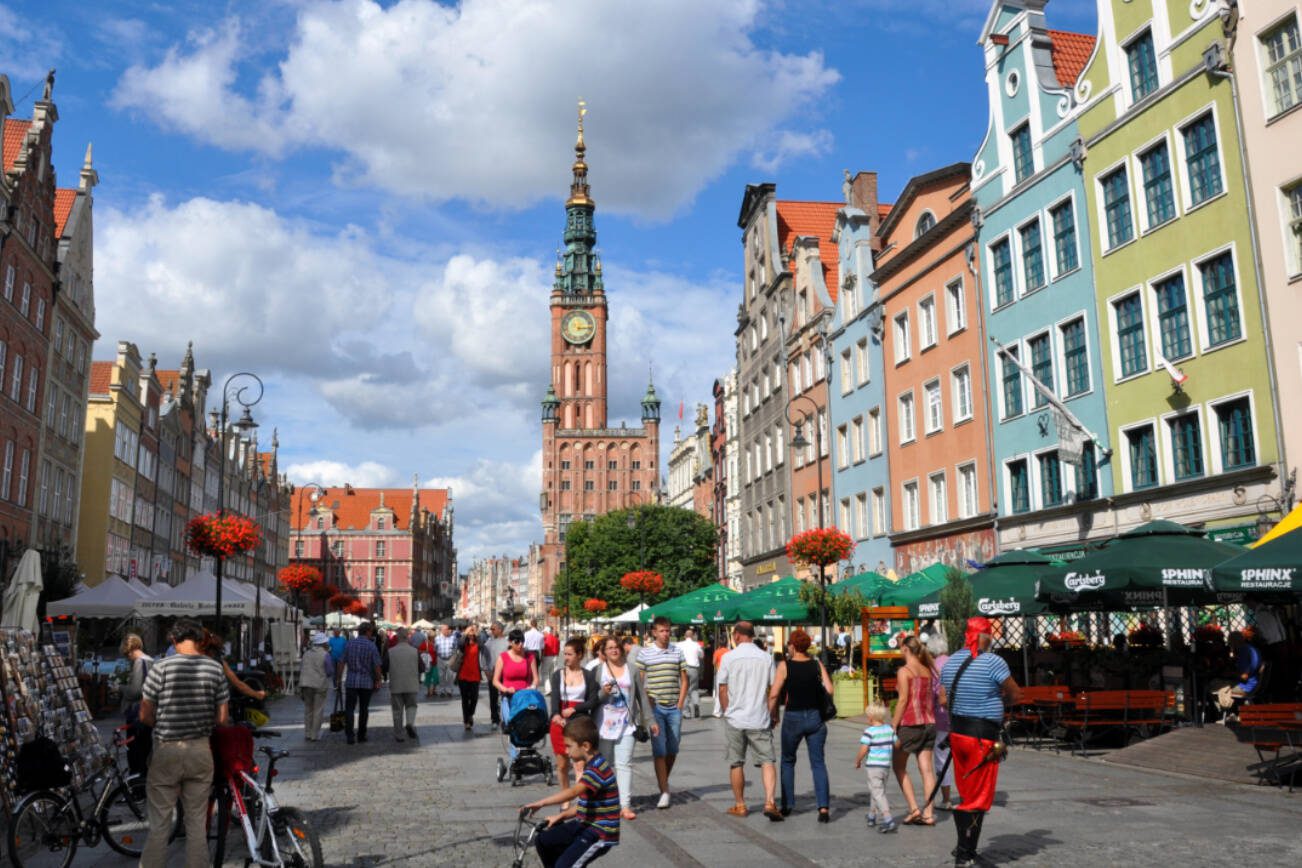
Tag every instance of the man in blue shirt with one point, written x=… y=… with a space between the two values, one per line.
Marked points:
x=362 y=661
x=975 y=686
x=337 y=643
x=1247 y=663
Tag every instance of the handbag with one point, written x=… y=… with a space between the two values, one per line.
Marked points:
x=337 y=716
x=640 y=733
x=826 y=705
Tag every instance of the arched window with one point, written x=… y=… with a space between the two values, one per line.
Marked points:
x=925 y=223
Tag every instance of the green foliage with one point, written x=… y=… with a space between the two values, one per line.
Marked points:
x=957 y=604
x=842 y=608
x=677 y=543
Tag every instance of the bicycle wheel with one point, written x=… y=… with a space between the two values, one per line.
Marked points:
x=296 y=838
x=43 y=832
x=124 y=819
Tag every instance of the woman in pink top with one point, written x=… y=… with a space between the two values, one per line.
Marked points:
x=514 y=670
x=915 y=726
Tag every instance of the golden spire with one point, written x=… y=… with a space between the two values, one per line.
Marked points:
x=579 y=186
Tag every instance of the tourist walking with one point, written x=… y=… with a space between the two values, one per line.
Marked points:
x=338 y=641
x=429 y=655
x=316 y=673
x=623 y=709
x=404 y=683
x=514 y=670
x=914 y=722
x=445 y=644
x=533 y=645
x=717 y=660
x=362 y=675
x=876 y=745
x=551 y=651
x=183 y=698
x=573 y=691
x=803 y=681
x=666 y=684
x=975 y=687
x=693 y=653
x=493 y=648
x=744 y=681
x=469 y=674
x=142 y=740
x=939 y=649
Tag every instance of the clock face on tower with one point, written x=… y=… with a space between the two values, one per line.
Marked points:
x=578 y=327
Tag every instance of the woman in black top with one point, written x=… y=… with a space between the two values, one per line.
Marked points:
x=801 y=680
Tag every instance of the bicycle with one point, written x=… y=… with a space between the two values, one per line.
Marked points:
x=526 y=832
x=276 y=836
x=51 y=822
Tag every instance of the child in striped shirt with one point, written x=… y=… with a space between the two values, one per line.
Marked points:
x=588 y=830
x=876 y=743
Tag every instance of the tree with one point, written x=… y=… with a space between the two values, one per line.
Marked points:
x=676 y=543
x=957 y=604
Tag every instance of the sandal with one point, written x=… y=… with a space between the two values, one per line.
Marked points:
x=925 y=821
x=913 y=819
x=771 y=811
x=739 y=811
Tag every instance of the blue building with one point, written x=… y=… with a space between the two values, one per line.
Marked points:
x=861 y=479
x=1039 y=287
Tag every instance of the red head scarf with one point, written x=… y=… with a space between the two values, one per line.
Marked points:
x=975 y=627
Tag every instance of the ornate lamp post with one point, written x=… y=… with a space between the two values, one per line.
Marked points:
x=231 y=390
x=799 y=442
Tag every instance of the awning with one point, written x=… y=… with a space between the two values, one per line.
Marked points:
x=111 y=598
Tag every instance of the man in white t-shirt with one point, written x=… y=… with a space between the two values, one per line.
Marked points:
x=744 y=678
x=693 y=652
x=533 y=642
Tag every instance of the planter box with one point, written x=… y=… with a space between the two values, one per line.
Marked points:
x=848 y=696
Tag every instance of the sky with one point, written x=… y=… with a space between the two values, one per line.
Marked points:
x=361 y=201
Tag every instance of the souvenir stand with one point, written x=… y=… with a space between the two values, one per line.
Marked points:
x=41 y=697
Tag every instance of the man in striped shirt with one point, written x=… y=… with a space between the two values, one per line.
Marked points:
x=184 y=696
x=665 y=671
x=586 y=832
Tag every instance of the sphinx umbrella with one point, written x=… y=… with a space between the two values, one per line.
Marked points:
x=1270 y=570
x=1158 y=564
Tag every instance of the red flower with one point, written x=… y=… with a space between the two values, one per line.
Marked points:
x=341 y=601
x=647 y=582
x=820 y=546
x=356 y=607
x=1145 y=636
x=555 y=612
x=221 y=536
x=299 y=577
x=322 y=591
x=594 y=605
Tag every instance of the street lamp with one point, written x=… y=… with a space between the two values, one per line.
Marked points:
x=319 y=490
x=231 y=390
x=799 y=442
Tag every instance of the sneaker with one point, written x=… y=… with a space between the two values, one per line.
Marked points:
x=411 y=731
x=888 y=827
x=664 y=801
x=872 y=821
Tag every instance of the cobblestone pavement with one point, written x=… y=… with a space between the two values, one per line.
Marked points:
x=436 y=802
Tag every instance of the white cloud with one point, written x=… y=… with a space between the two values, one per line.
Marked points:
x=332 y=474
x=28 y=51
x=787 y=145
x=496 y=506
x=475 y=101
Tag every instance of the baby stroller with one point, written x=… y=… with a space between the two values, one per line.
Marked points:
x=526 y=725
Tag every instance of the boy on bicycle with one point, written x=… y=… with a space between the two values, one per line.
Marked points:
x=585 y=832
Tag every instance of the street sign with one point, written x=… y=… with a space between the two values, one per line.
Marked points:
x=548 y=600
x=131 y=570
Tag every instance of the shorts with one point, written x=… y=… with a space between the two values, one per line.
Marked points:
x=759 y=741
x=916 y=739
x=669 y=718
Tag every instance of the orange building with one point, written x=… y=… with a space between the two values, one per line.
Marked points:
x=934 y=352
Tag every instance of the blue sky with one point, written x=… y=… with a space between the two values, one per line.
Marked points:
x=361 y=201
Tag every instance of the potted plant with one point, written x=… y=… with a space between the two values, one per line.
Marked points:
x=848 y=692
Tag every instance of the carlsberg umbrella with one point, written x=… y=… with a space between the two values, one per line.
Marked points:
x=1004 y=586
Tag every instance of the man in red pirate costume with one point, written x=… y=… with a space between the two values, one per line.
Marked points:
x=975 y=687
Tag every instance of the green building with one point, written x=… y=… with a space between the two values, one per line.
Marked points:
x=1187 y=372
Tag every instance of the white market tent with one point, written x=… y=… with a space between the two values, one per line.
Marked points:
x=111 y=598
x=629 y=617
x=194 y=597
x=147 y=591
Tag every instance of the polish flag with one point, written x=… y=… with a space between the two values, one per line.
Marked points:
x=680 y=411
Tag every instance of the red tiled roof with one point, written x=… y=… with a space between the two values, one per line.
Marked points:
x=169 y=380
x=101 y=377
x=15 y=132
x=264 y=461
x=63 y=200
x=1071 y=51
x=816 y=220
x=356 y=505
x=883 y=210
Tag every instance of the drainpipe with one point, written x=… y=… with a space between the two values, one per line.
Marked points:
x=1215 y=63
x=972 y=256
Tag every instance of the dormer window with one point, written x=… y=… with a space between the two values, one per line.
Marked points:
x=380 y=522
x=320 y=524
x=925 y=224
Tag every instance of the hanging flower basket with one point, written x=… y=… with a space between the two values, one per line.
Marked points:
x=322 y=591
x=1210 y=633
x=645 y=582
x=555 y=612
x=594 y=605
x=356 y=607
x=1145 y=636
x=299 y=577
x=1065 y=639
x=820 y=547
x=341 y=602
x=222 y=536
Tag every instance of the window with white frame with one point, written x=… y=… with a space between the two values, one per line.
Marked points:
x=842 y=446
x=1202 y=160
x=1220 y=296
x=927 y=322
x=1235 y=434
x=1065 y=255
x=1185 y=446
x=908 y=429
x=1282 y=64
x=1141 y=457
x=861 y=348
x=861 y=515
x=779 y=438
x=806 y=370
x=768 y=452
x=902 y=348
x=843 y=518
x=824 y=432
x=1117 y=217
x=819 y=367
x=1075 y=357
x=1128 y=327
x=879 y=511
x=856 y=439
x=939 y=498
x=955 y=307
x=1032 y=256
x=967 y=491
x=909 y=505
x=846 y=372
x=962 y=391
x=935 y=406
x=1293 y=226
x=848 y=308
x=875 y=431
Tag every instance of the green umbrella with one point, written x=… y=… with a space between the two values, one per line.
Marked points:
x=913 y=587
x=777 y=601
x=1005 y=585
x=694 y=607
x=1157 y=564
x=1271 y=569
x=870 y=584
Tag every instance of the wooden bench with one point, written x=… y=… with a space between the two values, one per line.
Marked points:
x=1274 y=728
x=1101 y=710
x=1038 y=709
